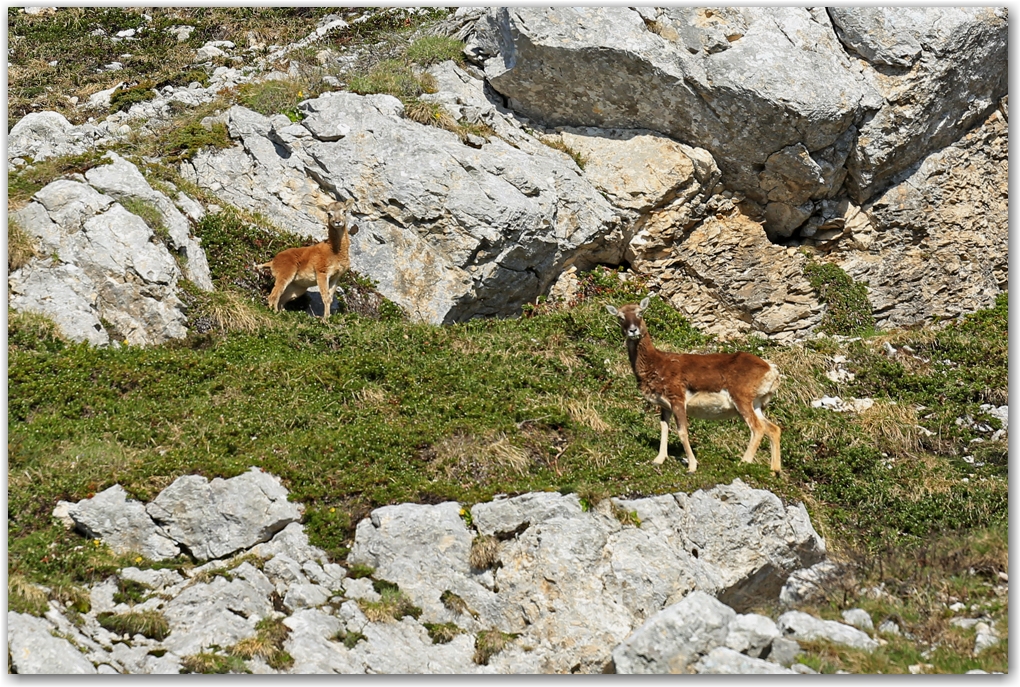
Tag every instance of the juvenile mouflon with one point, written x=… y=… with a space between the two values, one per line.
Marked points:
x=298 y=269
x=714 y=386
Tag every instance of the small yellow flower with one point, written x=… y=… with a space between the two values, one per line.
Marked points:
x=138 y=560
x=301 y=94
x=332 y=510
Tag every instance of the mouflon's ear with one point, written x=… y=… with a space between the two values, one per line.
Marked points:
x=611 y=310
x=644 y=303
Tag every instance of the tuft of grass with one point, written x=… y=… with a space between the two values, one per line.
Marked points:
x=267 y=644
x=455 y=603
x=151 y=624
x=20 y=246
x=130 y=591
x=123 y=98
x=184 y=141
x=394 y=77
x=556 y=143
x=272 y=97
x=349 y=639
x=229 y=311
x=213 y=664
x=26 y=597
x=429 y=50
x=484 y=553
x=442 y=633
x=849 y=311
x=488 y=643
x=356 y=572
x=393 y=604
x=432 y=114
x=626 y=517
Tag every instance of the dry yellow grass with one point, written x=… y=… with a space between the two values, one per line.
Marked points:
x=583 y=412
x=800 y=368
x=484 y=552
x=893 y=427
x=20 y=246
x=468 y=456
x=232 y=312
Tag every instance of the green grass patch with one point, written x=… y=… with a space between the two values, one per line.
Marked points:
x=488 y=643
x=392 y=605
x=23 y=182
x=267 y=644
x=393 y=77
x=430 y=50
x=122 y=99
x=20 y=246
x=272 y=97
x=130 y=592
x=151 y=624
x=213 y=663
x=442 y=633
x=849 y=311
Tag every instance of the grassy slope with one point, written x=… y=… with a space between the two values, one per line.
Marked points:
x=365 y=411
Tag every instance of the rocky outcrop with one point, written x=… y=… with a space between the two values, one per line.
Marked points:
x=792 y=102
x=565 y=584
x=99 y=262
x=448 y=230
x=937 y=243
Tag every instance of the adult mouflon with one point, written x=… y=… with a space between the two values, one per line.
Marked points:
x=713 y=386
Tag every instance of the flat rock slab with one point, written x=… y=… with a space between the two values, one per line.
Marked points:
x=801 y=626
x=122 y=524
x=218 y=518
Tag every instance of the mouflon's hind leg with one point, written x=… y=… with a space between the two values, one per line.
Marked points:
x=664 y=416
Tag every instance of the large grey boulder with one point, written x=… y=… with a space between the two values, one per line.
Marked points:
x=937 y=243
x=212 y=519
x=744 y=83
x=792 y=102
x=123 y=181
x=34 y=650
x=122 y=524
x=725 y=661
x=940 y=70
x=673 y=638
x=542 y=540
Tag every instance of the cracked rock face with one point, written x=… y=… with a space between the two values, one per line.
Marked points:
x=791 y=102
x=98 y=261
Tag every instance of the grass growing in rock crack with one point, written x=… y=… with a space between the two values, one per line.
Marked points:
x=151 y=624
x=209 y=662
x=20 y=246
x=270 y=634
x=488 y=643
x=392 y=605
x=442 y=633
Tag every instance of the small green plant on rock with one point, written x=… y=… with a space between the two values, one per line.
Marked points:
x=123 y=98
x=359 y=570
x=349 y=639
x=488 y=643
x=130 y=592
x=151 y=624
x=442 y=633
x=432 y=49
x=213 y=664
x=393 y=604
x=484 y=553
x=20 y=246
x=270 y=634
x=849 y=311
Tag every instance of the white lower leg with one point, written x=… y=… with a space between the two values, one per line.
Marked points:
x=663 y=442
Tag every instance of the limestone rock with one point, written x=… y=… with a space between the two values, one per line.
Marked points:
x=42 y=135
x=936 y=244
x=217 y=518
x=859 y=618
x=725 y=661
x=799 y=625
x=122 y=524
x=673 y=638
x=940 y=70
x=99 y=261
x=450 y=232
x=35 y=651
x=809 y=584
